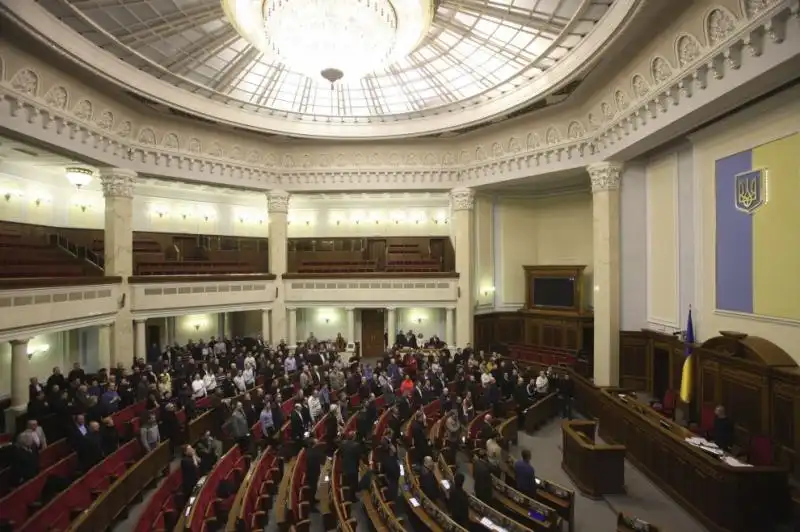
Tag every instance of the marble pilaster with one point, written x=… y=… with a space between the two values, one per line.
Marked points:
x=141 y=339
x=265 y=331
x=104 y=336
x=278 y=209
x=292 y=323
x=448 y=325
x=605 y=179
x=20 y=373
x=351 y=324
x=118 y=185
x=391 y=324
x=462 y=201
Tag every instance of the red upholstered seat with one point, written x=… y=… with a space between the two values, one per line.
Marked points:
x=761 y=452
x=706 y=420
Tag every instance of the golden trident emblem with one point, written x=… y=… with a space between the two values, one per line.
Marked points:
x=750 y=190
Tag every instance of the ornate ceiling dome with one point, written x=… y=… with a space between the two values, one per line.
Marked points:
x=399 y=67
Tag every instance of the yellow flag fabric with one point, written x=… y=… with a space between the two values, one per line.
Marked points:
x=686 y=380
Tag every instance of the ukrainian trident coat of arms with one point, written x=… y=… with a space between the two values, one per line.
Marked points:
x=751 y=190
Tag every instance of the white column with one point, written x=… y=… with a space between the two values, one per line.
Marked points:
x=448 y=326
x=227 y=324
x=118 y=252
x=461 y=203
x=20 y=373
x=278 y=208
x=104 y=346
x=171 y=330
x=292 y=326
x=605 y=179
x=141 y=339
x=351 y=324
x=265 y=333
x=391 y=325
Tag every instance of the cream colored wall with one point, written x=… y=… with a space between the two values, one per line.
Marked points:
x=48 y=351
x=661 y=176
x=324 y=322
x=484 y=252
x=769 y=120
x=246 y=323
x=428 y=321
x=543 y=231
x=196 y=327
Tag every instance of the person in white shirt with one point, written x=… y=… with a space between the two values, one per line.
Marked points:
x=290 y=364
x=239 y=382
x=220 y=347
x=249 y=361
x=210 y=381
x=486 y=378
x=315 y=407
x=249 y=376
x=541 y=384
x=198 y=387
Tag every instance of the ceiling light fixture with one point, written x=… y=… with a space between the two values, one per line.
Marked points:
x=79 y=177
x=332 y=40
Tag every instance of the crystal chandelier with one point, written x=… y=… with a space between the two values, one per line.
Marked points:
x=332 y=39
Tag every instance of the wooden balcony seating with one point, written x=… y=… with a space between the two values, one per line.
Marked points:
x=193 y=268
x=25 y=256
x=338 y=266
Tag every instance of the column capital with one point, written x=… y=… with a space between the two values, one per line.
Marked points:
x=291 y=309
x=278 y=201
x=450 y=308
x=391 y=309
x=117 y=182
x=139 y=320
x=19 y=342
x=349 y=309
x=605 y=176
x=462 y=199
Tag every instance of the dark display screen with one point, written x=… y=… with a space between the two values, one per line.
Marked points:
x=553 y=292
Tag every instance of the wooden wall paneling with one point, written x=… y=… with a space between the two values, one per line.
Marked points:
x=785 y=418
x=708 y=388
x=635 y=362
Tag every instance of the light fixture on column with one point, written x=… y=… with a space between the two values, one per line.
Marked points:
x=79 y=177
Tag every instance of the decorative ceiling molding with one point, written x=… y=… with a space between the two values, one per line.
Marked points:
x=676 y=91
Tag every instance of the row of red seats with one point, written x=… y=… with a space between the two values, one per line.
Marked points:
x=259 y=492
x=53 y=453
x=57 y=515
x=23 y=504
x=161 y=513
x=209 y=512
x=299 y=495
x=543 y=355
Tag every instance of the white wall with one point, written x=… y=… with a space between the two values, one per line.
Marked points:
x=428 y=321
x=484 y=252
x=196 y=327
x=633 y=248
x=324 y=322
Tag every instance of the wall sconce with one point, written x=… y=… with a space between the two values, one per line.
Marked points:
x=7 y=196
x=160 y=211
x=327 y=320
x=488 y=290
x=38 y=201
x=338 y=222
x=308 y=222
x=419 y=319
x=196 y=326
x=82 y=207
x=32 y=350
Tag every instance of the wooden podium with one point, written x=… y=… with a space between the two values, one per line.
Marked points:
x=596 y=470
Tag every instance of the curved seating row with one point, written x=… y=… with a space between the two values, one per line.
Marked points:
x=50 y=455
x=58 y=460
x=250 y=510
x=161 y=512
x=206 y=510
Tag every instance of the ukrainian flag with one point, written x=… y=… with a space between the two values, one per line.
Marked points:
x=686 y=373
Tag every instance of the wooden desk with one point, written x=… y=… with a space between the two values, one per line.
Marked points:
x=427 y=512
x=541 y=412
x=595 y=469
x=722 y=497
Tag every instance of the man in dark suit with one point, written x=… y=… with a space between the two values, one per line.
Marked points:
x=351 y=452
x=427 y=479
x=90 y=451
x=390 y=467
x=315 y=458
x=482 y=475
x=487 y=431
x=419 y=437
x=25 y=461
x=724 y=434
x=190 y=470
x=297 y=426
x=525 y=475
x=458 y=500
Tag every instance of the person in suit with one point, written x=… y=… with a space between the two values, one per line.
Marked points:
x=565 y=390
x=427 y=479
x=419 y=436
x=525 y=475
x=207 y=451
x=34 y=389
x=487 y=431
x=297 y=426
x=351 y=452
x=25 y=461
x=315 y=458
x=109 y=436
x=482 y=475
x=237 y=427
x=724 y=435
x=37 y=435
x=90 y=451
x=390 y=467
x=190 y=470
x=458 y=500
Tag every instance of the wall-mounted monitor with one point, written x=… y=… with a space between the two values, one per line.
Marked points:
x=554 y=288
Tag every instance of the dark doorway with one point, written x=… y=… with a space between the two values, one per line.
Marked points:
x=372 y=344
x=437 y=251
x=660 y=372
x=153 y=336
x=376 y=250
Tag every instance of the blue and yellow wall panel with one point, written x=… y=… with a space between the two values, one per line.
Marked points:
x=758 y=230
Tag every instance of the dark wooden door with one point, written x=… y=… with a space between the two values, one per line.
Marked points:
x=372 y=332
x=437 y=250
x=376 y=250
